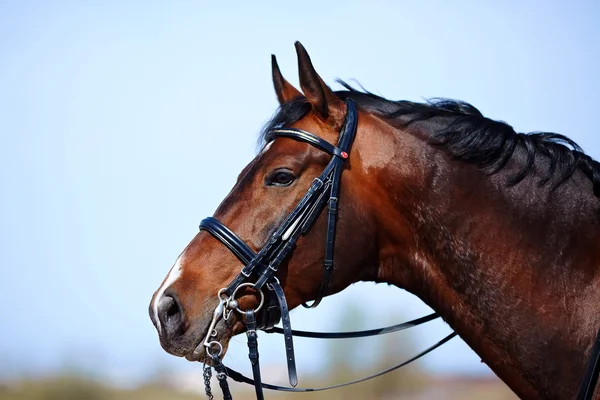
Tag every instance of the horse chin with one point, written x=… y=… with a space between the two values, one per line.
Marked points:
x=225 y=331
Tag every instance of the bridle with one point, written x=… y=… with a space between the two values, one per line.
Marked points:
x=263 y=266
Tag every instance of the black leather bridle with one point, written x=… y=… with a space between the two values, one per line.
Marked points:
x=262 y=267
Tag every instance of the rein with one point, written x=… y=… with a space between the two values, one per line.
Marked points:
x=262 y=266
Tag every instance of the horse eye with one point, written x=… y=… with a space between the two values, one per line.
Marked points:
x=281 y=177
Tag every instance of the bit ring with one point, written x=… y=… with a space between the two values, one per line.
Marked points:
x=210 y=344
x=248 y=284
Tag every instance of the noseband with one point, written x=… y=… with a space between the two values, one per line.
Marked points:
x=260 y=268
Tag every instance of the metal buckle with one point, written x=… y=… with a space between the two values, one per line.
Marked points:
x=246 y=274
x=221 y=375
x=270 y=285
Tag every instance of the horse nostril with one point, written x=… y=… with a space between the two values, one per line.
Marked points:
x=169 y=313
x=173 y=310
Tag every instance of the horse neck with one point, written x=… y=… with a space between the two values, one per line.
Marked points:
x=511 y=269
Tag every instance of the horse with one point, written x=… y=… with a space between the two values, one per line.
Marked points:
x=497 y=231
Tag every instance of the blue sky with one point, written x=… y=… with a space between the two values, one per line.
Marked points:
x=125 y=123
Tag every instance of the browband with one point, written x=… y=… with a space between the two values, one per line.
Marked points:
x=307 y=137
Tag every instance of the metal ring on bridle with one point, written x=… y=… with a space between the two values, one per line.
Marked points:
x=209 y=345
x=249 y=284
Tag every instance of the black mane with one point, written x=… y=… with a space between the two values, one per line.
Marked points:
x=466 y=133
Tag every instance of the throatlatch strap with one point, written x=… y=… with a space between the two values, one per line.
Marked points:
x=332 y=211
x=346 y=137
x=288 y=337
x=253 y=352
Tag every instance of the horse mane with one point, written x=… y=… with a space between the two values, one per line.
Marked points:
x=465 y=133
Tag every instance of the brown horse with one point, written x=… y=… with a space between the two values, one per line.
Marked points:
x=497 y=231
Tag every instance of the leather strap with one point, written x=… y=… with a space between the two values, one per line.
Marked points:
x=222 y=377
x=348 y=131
x=332 y=211
x=229 y=238
x=243 y=379
x=287 y=332
x=307 y=137
x=346 y=137
x=270 y=313
x=253 y=352
x=316 y=209
x=359 y=334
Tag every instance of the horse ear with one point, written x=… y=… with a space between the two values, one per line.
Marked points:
x=284 y=90
x=315 y=90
